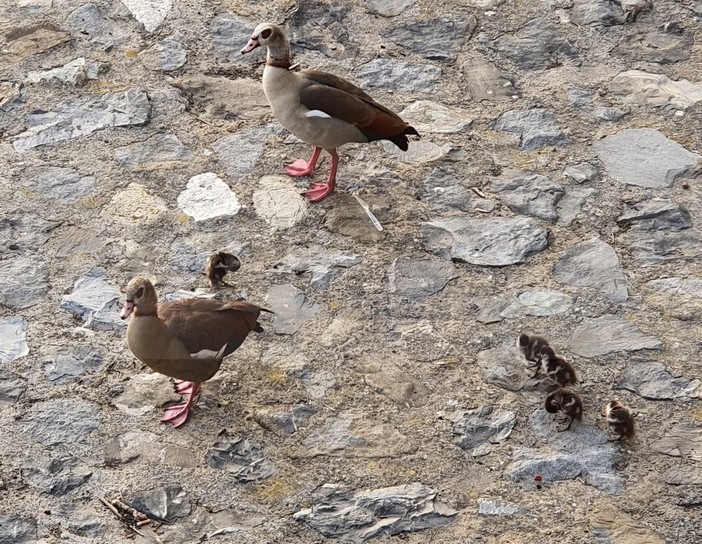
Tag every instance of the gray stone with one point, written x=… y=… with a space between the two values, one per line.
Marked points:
x=161 y=503
x=159 y=152
x=493 y=241
x=16 y=529
x=149 y=13
x=582 y=172
x=242 y=458
x=292 y=308
x=90 y=20
x=491 y=309
x=597 y=13
x=656 y=90
x=442 y=188
x=538 y=45
x=95 y=300
x=69 y=364
x=359 y=516
x=284 y=421
x=317 y=25
x=62 y=421
x=480 y=429
x=483 y=81
x=25 y=282
x=56 y=475
x=609 y=334
x=388 y=8
x=13 y=338
x=398 y=75
x=528 y=193
x=687 y=289
x=434 y=39
x=683 y=475
x=596 y=265
x=427 y=116
x=656 y=382
x=655 y=247
x=395 y=383
x=74 y=73
x=24 y=236
x=83 y=116
x=538 y=302
x=416 y=279
x=645 y=157
x=206 y=196
x=278 y=202
x=166 y=56
x=656 y=214
x=583 y=451
x=147 y=448
x=11 y=385
x=571 y=204
x=349 y=434
x=324 y=265
x=487 y=507
x=229 y=34
x=682 y=440
x=503 y=367
x=609 y=114
x=63 y=184
x=238 y=153
x=655 y=46
x=536 y=127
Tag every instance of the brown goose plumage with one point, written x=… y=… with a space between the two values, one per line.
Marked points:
x=185 y=339
x=321 y=109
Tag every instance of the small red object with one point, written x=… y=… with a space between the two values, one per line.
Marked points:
x=538 y=478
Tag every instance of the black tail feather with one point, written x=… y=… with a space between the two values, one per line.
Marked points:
x=401 y=139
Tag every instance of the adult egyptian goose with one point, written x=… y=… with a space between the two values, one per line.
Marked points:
x=321 y=109
x=186 y=339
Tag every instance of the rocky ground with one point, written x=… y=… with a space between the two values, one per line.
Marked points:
x=554 y=191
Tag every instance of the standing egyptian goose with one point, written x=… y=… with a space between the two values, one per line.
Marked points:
x=321 y=109
x=186 y=339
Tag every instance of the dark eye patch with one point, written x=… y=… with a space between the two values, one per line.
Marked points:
x=266 y=33
x=140 y=292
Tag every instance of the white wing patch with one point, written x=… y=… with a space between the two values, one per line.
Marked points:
x=209 y=353
x=317 y=113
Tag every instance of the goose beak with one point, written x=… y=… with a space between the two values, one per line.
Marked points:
x=127 y=309
x=253 y=44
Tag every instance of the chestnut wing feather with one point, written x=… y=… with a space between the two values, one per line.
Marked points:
x=209 y=324
x=340 y=99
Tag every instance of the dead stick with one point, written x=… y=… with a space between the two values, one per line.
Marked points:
x=112 y=508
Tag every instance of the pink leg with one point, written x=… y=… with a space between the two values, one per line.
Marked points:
x=177 y=415
x=319 y=191
x=183 y=387
x=301 y=168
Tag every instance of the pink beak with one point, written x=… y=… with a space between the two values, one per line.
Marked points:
x=127 y=310
x=253 y=44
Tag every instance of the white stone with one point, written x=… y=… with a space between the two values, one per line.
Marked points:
x=656 y=89
x=13 y=339
x=278 y=202
x=149 y=13
x=207 y=196
x=74 y=72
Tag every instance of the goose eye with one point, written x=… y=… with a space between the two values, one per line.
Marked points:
x=140 y=292
x=265 y=34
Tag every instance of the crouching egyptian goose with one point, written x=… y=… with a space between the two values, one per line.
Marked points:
x=186 y=339
x=321 y=109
